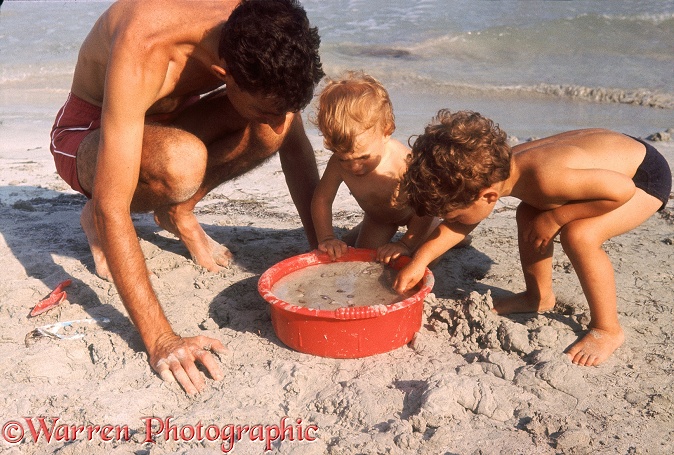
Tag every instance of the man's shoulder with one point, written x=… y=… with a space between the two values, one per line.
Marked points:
x=150 y=17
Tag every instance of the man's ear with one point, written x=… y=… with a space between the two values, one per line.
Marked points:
x=219 y=71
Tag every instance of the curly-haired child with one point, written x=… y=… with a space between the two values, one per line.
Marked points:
x=585 y=186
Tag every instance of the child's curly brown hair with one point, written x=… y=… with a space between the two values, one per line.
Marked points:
x=458 y=155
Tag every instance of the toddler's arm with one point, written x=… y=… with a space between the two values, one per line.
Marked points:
x=418 y=230
x=321 y=211
x=442 y=239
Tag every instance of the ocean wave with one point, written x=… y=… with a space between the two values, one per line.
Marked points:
x=655 y=18
x=640 y=34
x=638 y=97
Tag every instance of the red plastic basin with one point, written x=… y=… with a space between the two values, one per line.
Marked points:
x=344 y=333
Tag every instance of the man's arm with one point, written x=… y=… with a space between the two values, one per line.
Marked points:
x=134 y=79
x=301 y=173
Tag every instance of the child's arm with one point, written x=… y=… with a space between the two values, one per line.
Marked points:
x=418 y=229
x=588 y=192
x=442 y=239
x=321 y=210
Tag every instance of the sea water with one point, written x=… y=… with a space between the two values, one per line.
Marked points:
x=536 y=67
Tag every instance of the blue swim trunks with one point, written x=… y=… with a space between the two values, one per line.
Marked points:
x=653 y=175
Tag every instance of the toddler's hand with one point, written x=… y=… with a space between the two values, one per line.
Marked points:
x=391 y=251
x=334 y=247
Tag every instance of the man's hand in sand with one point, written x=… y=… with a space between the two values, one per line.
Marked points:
x=174 y=359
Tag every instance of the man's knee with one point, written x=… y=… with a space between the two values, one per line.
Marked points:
x=186 y=167
x=177 y=172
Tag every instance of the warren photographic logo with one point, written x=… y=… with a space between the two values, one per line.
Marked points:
x=49 y=430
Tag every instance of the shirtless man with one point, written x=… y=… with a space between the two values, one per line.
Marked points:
x=149 y=126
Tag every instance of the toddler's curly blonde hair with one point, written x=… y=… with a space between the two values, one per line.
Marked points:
x=350 y=105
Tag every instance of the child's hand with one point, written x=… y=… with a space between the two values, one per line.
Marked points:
x=408 y=277
x=390 y=251
x=334 y=247
x=542 y=230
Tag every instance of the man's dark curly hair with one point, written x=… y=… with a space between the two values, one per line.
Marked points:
x=270 y=49
x=458 y=155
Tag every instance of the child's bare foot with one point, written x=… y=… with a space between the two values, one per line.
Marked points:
x=595 y=347
x=87 y=223
x=204 y=250
x=523 y=303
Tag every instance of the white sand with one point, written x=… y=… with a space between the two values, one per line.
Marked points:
x=471 y=382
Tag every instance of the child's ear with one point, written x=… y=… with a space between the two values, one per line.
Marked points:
x=490 y=195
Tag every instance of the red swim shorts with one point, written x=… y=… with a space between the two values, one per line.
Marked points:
x=76 y=119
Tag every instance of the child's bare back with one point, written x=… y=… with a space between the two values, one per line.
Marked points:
x=581 y=149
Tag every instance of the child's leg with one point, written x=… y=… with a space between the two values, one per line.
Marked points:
x=351 y=237
x=582 y=241
x=537 y=270
x=373 y=234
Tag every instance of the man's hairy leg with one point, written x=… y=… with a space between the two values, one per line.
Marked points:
x=231 y=155
x=87 y=223
x=172 y=172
